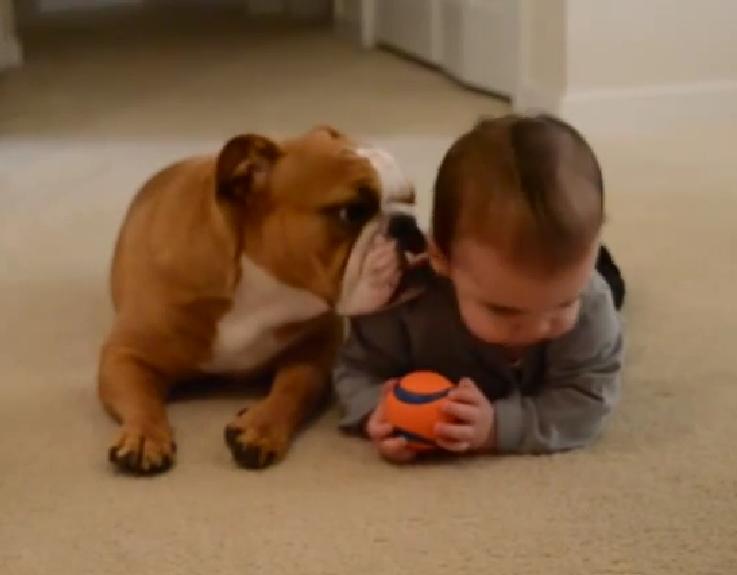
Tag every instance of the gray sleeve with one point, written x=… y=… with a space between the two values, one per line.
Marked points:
x=581 y=385
x=377 y=349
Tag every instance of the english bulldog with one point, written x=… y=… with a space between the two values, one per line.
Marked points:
x=241 y=263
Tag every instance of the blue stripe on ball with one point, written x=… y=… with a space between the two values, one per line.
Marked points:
x=417 y=398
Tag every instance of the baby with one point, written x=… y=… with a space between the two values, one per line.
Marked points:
x=513 y=311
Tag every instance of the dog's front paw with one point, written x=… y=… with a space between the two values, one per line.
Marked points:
x=144 y=450
x=258 y=437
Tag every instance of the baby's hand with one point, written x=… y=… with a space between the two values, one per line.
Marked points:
x=473 y=430
x=379 y=430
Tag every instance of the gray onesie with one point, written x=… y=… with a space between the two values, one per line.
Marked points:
x=555 y=398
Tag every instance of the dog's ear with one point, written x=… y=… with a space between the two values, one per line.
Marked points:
x=244 y=165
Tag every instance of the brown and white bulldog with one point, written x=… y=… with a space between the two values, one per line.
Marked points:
x=240 y=263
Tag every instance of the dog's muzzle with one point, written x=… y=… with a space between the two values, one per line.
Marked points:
x=361 y=293
x=404 y=229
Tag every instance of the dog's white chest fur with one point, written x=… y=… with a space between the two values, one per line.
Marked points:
x=246 y=335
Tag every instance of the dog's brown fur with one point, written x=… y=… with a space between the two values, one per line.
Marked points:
x=177 y=265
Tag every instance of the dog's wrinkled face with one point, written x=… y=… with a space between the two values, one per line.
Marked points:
x=309 y=207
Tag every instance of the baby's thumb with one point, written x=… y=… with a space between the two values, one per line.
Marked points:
x=388 y=386
x=379 y=430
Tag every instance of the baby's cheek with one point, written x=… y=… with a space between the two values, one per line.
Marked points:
x=478 y=322
x=566 y=322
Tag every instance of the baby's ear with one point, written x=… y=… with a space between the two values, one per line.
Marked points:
x=438 y=261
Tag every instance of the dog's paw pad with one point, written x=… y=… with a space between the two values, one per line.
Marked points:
x=250 y=456
x=138 y=452
x=254 y=444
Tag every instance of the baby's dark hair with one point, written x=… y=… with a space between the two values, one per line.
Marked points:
x=530 y=186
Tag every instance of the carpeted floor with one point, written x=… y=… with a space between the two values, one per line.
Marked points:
x=103 y=103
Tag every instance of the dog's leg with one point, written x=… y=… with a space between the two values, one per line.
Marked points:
x=261 y=435
x=135 y=394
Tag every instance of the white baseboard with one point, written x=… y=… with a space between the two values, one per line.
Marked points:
x=653 y=107
x=11 y=55
x=648 y=108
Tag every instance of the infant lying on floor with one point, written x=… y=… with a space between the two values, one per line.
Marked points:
x=515 y=300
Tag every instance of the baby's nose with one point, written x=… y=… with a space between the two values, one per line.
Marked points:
x=545 y=329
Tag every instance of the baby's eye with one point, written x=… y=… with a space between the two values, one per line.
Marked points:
x=569 y=304
x=502 y=311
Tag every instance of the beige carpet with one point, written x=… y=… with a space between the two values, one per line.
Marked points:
x=102 y=105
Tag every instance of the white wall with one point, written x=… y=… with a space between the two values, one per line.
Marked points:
x=637 y=43
x=480 y=43
x=542 y=54
x=10 y=50
x=474 y=41
x=630 y=64
x=617 y=64
x=408 y=26
x=356 y=19
x=348 y=10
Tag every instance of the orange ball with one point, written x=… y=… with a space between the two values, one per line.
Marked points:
x=413 y=408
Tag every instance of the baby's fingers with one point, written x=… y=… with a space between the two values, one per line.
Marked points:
x=395 y=449
x=454 y=437
x=378 y=430
x=454 y=431
x=466 y=412
x=466 y=392
x=454 y=446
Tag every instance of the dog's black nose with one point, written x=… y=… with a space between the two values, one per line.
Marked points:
x=404 y=229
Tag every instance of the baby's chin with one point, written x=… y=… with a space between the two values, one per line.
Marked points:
x=511 y=345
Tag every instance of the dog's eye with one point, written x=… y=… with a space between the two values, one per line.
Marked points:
x=356 y=213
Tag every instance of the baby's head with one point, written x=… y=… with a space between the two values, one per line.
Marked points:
x=516 y=220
